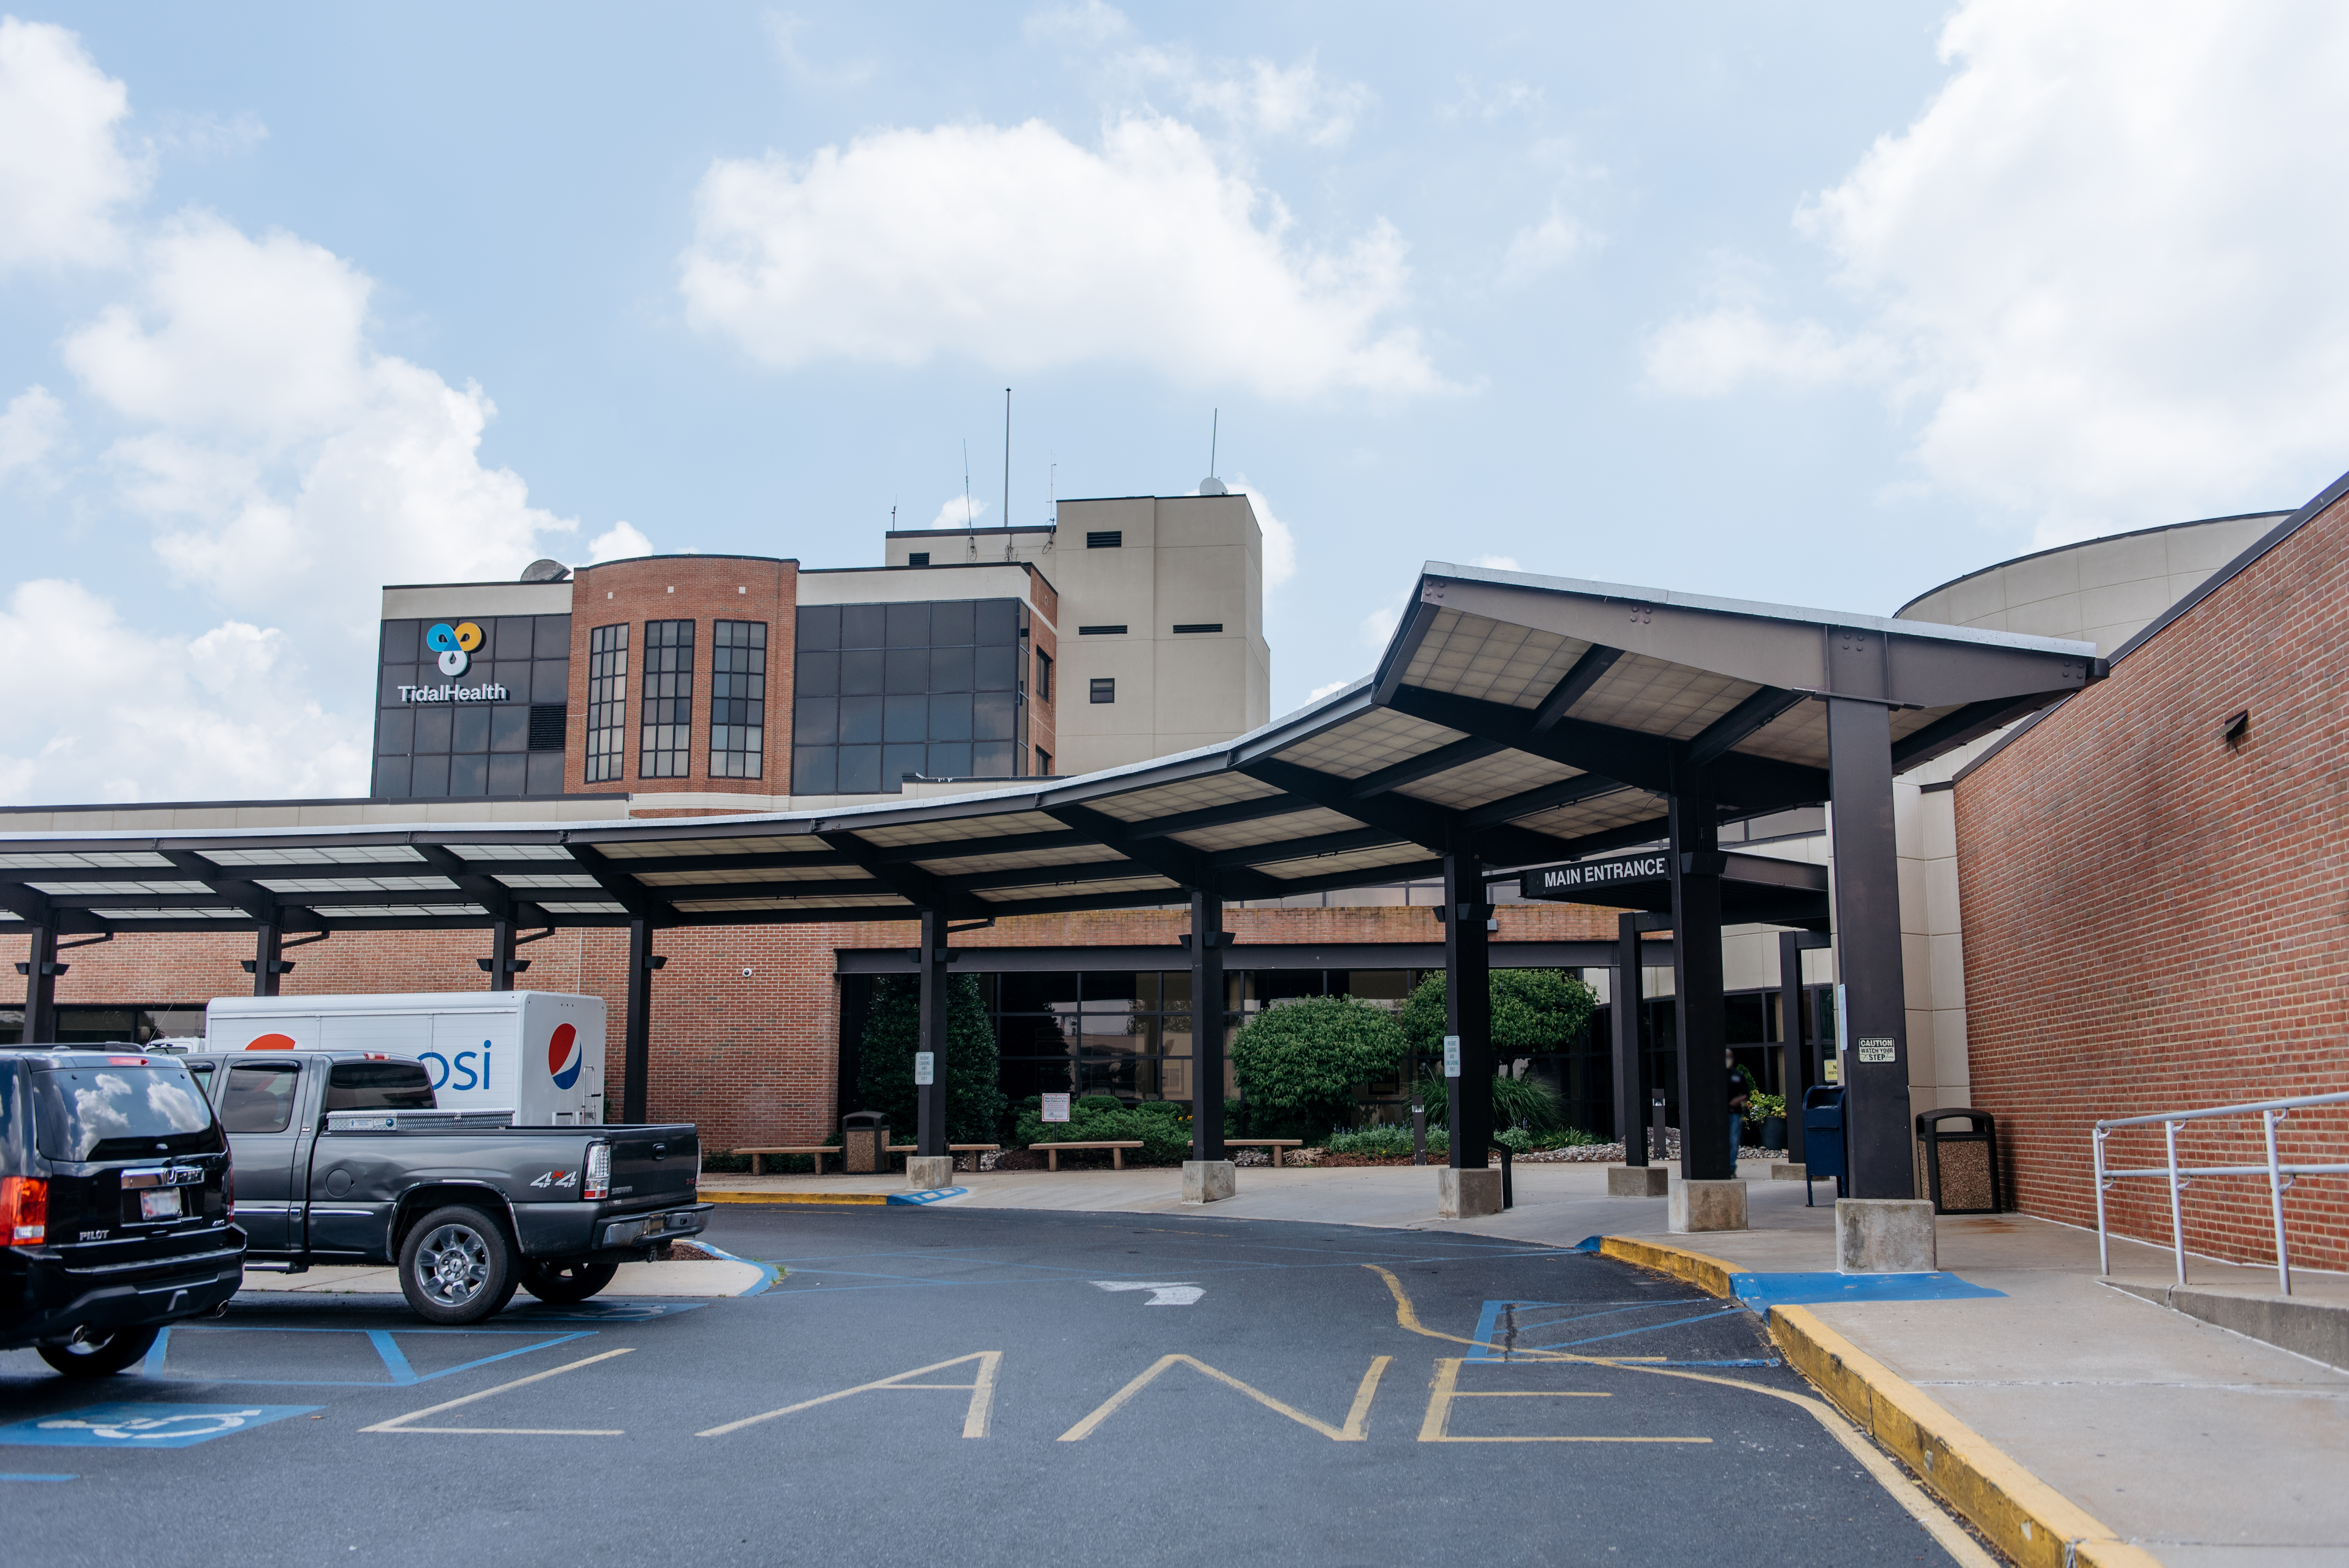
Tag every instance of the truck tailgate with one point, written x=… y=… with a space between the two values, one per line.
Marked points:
x=654 y=1165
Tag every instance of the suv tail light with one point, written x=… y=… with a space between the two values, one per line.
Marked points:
x=228 y=1187
x=599 y=1173
x=24 y=1210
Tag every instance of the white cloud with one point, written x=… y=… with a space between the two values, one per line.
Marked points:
x=620 y=541
x=958 y=511
x=1255 y=98
x=1497 y=563
x=2107 y=257
x=907 y=245
x=1379 y=625
x=1717 y=351
x=106 y=711
x=33 y=427
x=1091 y=23
x=1317 y=693
x=1539 y=247
x=1279 y=543
x=63 y=171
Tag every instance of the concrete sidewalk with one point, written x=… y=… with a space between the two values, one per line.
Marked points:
x=2206 y=1448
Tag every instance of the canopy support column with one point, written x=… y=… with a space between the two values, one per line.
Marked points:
x=41 y=987
x=1468 y=1007
x=501 y=954
x=1631 y=1061
x=268 y=947
x=930 y=1098
x=1696 y=867
x=1206 y=1025
x=636 y=1065
x=1872 y=993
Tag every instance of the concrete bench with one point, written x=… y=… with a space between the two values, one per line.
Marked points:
x=1274 y=1144
x=1116 y=1146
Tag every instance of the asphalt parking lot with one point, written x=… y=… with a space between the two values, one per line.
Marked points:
x=976 y=1388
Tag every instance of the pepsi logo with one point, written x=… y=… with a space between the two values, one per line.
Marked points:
x=273 y=1043
x=564 y=1056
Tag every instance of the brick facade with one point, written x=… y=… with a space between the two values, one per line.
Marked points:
x=2157 y=918
x=753 y=1059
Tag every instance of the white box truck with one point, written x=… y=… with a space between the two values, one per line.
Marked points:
x=539 y=1054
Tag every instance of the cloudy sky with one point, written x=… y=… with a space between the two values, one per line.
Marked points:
x=1823 y=304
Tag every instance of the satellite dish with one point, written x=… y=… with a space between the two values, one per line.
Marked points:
x=544 y=571
x=1213 y=487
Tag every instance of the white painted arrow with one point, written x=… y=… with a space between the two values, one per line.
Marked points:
x=1160 y=1294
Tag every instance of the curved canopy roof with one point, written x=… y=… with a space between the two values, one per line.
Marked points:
x=1526 y=719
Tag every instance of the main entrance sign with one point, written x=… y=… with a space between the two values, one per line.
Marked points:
x=1570 y=882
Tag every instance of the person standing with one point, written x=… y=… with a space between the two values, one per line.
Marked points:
x=1741 y=1089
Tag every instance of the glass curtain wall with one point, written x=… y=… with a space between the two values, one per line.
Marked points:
x=738 y=699
x=512 y=746
x=934 y=688
x=666 y=748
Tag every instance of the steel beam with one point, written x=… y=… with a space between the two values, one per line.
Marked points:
x=1749 y=718
x=1206 y=1026
x=930 y=1098
x=1624 y=1008
x=40 y=1025
x=1222 y=816
x=1871 y=994
x=910 y=882
x=1595 y=661
x=1697 y=1002
x=1468 y=1009
x=635 y=1070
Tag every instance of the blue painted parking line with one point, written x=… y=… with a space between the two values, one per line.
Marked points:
x=769 y=1273
x=1534 y=1335
x=397 y=1372
x=148 y=1425
x=7 y=1476
x=935 y=1195
x=1763 y=1291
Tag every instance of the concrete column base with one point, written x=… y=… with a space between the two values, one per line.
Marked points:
x=1209 y=1180
x=1637 y=1181
x=1705 y=1206
x=1466 y=1194
x=924 y=1171
x=1884 y=1235
x=1786 y=1171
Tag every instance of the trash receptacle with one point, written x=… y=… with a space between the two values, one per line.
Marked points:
x=1822 y=1147
x=1959 y=1170
x=865 y=1143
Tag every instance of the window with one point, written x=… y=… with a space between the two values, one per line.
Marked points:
x=738 y=699
x=919 y=558
x=1104 y=690
x=1100 y=631
x=259 y=1097
x=1198 y=626
x=547 y=721
x=933 y=687
x=665 y=747
x=607 y=703
x=1043 y=763
x=1043 y=676
x=1106 y=539
x=378 y=1086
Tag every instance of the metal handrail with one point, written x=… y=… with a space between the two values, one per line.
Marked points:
x=2279 y=1176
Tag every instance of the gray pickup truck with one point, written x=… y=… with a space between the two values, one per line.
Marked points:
x=341 y=1157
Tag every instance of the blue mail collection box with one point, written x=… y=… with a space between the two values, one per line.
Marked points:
x=1823 y=1146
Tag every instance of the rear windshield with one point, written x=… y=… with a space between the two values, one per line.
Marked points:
x=121 y=1112
x=379 y=1085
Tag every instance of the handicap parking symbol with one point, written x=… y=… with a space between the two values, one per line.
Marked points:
x=154 y=1425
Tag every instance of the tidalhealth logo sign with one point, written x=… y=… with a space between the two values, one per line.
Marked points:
x=455 y=645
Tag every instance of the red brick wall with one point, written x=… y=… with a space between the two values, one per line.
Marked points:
x=2156 y=921
x=700 y=589
x=753 y=1059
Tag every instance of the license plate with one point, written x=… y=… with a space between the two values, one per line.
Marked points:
x=162 y=1206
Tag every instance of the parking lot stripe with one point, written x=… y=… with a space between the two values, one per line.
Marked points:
x=400 y=1423
x=974 y=1419
x=1434 y=1427
x=1356 y=1429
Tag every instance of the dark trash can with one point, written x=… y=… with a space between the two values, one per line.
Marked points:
x=1823 y=1146
x=1959 y=1170
x=865 y=1143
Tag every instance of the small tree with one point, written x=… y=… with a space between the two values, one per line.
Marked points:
x=884 y=1076
x=1306 y=1057
x=1533 y=1010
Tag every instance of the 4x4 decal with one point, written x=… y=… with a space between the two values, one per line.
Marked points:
x=558 y=1179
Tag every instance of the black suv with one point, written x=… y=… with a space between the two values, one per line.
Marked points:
x=114 y=1205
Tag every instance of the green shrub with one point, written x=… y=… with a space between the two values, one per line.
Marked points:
x=1306 y=1057
x=1163 y=1125
x=1386 y=1141
x=885 y=1078
x=1534 y=1010
x=1528 y=1103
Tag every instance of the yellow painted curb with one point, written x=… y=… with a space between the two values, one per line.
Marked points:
x=706 y=1196
x=2024 y=1517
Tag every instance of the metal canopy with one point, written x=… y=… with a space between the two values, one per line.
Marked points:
x=1516 y=718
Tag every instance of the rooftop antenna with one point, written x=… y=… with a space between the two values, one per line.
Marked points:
x=966 y=519
x=1211 y=485
x=1007 y=472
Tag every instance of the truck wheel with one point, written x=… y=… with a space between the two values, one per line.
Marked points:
x=565 y=1280
x=102 y=1354
x=457 y=1266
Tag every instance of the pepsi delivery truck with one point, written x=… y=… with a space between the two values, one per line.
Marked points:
x=538 y=1053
